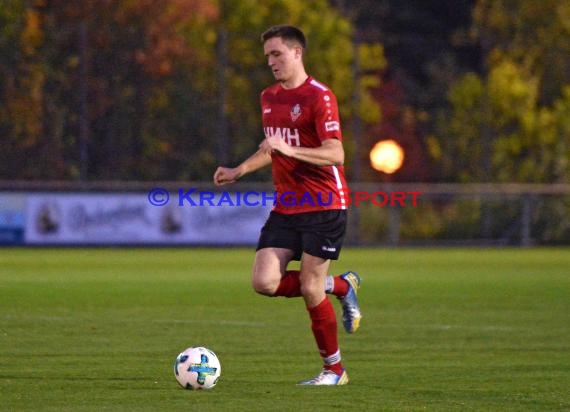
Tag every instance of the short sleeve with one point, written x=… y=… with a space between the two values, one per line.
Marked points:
x=327 y=120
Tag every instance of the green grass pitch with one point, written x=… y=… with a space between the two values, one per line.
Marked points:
x=443 y=329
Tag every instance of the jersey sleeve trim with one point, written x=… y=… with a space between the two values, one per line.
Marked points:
x=340 y=187
x=319 y=85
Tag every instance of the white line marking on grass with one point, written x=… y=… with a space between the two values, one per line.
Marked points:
x=53 y=318
x=219 y=322
x=449 y=327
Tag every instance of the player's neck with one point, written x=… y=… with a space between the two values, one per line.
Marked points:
x=296 y=80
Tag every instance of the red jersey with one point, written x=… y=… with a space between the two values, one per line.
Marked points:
x=305 y=116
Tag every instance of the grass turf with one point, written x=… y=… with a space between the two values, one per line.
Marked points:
x=444 y=329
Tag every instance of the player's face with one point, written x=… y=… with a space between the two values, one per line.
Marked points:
x=282 y=58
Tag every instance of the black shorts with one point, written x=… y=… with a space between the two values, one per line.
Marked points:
x=317 y=233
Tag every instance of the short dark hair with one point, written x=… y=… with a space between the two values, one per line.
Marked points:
x=287 y=33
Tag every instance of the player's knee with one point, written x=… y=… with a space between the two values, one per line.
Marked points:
x=264 y=286
x=309 y=288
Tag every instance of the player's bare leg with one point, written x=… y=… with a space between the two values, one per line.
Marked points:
x=269 y=267
x=323 y=321
x=313 y=273
x=271 y=277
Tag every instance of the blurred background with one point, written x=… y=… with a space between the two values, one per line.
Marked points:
x=467 y=102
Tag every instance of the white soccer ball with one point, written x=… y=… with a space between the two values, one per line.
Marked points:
x=197 y=368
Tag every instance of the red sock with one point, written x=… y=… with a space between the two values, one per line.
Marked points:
x=324 y=327
x=290 y=285
x=340 y=287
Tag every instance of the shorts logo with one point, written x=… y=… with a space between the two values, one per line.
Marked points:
x=329 y=249
x=332 y=126
x=295 y=112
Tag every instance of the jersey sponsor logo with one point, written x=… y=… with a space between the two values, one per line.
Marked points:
x=291 y=136
x=295 y=112
x=267 y=110
x=332 y=126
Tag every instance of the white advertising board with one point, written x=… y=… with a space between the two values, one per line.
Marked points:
x=111 y=218
x=12 y=212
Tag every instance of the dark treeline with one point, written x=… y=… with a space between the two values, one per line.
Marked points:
x=474 y=91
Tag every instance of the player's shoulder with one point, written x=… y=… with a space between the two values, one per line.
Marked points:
x=318 y=85
x=318 y=88
x=312 y=88
x=269 y=90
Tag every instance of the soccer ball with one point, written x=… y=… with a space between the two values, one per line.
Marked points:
x=197 y=368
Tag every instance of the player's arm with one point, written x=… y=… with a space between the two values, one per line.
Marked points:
x=329 y=153
x=227 y=175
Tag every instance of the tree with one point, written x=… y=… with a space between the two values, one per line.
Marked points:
x=508 y=123
x=126 y=55
x=152 y=89
x=21 y=81
x=424 y=53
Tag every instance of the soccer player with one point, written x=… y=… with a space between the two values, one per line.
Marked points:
x=303 y=144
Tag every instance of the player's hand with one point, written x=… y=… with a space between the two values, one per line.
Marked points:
x=225 y=175
x=274 y=143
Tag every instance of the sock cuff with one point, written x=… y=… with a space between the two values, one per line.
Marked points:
x=329 y=284
x=332 y=359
